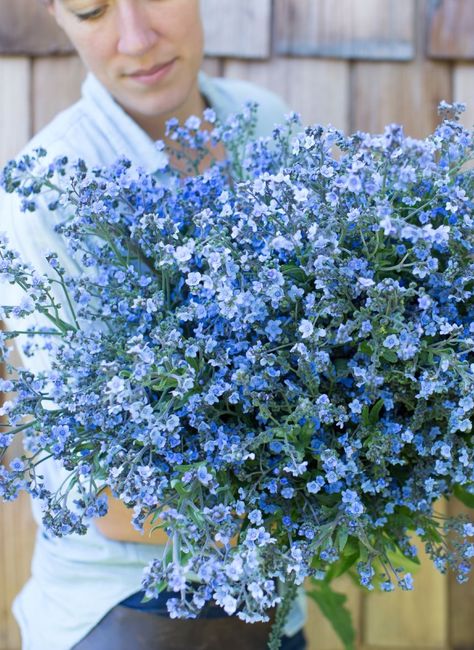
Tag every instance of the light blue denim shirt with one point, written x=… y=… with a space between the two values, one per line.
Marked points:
x=76 y=580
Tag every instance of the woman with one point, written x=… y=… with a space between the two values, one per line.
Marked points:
x=143 y=58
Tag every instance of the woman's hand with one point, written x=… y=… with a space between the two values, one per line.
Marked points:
x=116 y=525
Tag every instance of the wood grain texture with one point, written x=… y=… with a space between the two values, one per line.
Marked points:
x=413 y=619
x=319 y=90
x=17 y=529
x=406 y=93
x=463 y=91
x=461 y=597
x=27 y=28
x=232 y=28
x=49 y=74
x=450 y=29
x=373 y=29
x=240 y=28
x=212 y=66
x=17 y=534
x=318 y=630
x=15 y=108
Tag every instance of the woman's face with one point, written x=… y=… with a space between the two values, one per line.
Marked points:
x=147 y=53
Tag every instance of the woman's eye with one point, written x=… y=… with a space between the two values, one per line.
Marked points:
x=90 y=15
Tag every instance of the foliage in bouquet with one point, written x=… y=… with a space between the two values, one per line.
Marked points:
x=273 y=359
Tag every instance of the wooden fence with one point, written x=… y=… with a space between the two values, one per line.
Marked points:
x=357 y=64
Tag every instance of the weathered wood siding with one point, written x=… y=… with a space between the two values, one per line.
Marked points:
x=357 y=64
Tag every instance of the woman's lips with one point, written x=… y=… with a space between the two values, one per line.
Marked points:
x=149 y=77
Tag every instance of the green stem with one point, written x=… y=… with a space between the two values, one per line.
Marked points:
x=274 y=641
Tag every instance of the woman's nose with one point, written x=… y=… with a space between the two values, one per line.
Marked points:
x=136 y=34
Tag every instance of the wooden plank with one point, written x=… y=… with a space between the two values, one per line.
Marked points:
x=450 y=29
x=27 y=28
x=212 y=66
x=414 y=620
x=17 y=535
x=50 y=73
x=319 y=90
x=374 y=29
x=463 y=91
x=15 y=113
x=240 y=28
x=461 y=597
x=16 y=527
x=318 y=630
x=406 y=93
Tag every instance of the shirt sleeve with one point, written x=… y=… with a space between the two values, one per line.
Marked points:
x=32 y=236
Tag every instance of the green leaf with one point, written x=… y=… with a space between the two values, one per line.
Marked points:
x=294 y=272
x=332 y=606
x=180 y=488
x=464 y=496
x=160 y=587
x=366 y=348
x=196 y=517
x=164 y=384
x=342 y=565
x=341 y=538
x=398 y=560
x=193 y=362
x=365 y=416
x=390 y=356
x=374 y=414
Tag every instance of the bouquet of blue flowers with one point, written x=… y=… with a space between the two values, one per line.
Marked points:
x=273 y=359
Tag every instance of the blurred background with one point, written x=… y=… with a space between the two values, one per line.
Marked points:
x=357 y=64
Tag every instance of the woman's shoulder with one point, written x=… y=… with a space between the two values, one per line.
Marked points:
x=228 y=95
x=62 y=135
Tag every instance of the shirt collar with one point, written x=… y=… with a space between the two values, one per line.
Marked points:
x=126 y=136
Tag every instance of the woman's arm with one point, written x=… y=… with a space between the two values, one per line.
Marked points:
x=117 y=525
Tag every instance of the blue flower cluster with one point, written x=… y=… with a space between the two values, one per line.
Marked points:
x=274 y=358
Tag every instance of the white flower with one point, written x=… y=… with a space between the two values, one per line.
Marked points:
x=438 y=235
x=301 y=195
x=366 y=282
x=184 y=253
x=6 y=408
x=193 y=123
x=281 y=243
x=388 y=227
x=116 y=384
x=424 y=301
x=230 y=604
x=193 y=279
x=306 y=328
x=451 y=207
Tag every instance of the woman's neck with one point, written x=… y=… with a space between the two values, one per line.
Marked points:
x=155 y=125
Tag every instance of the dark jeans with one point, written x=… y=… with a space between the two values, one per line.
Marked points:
x=133 y=625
